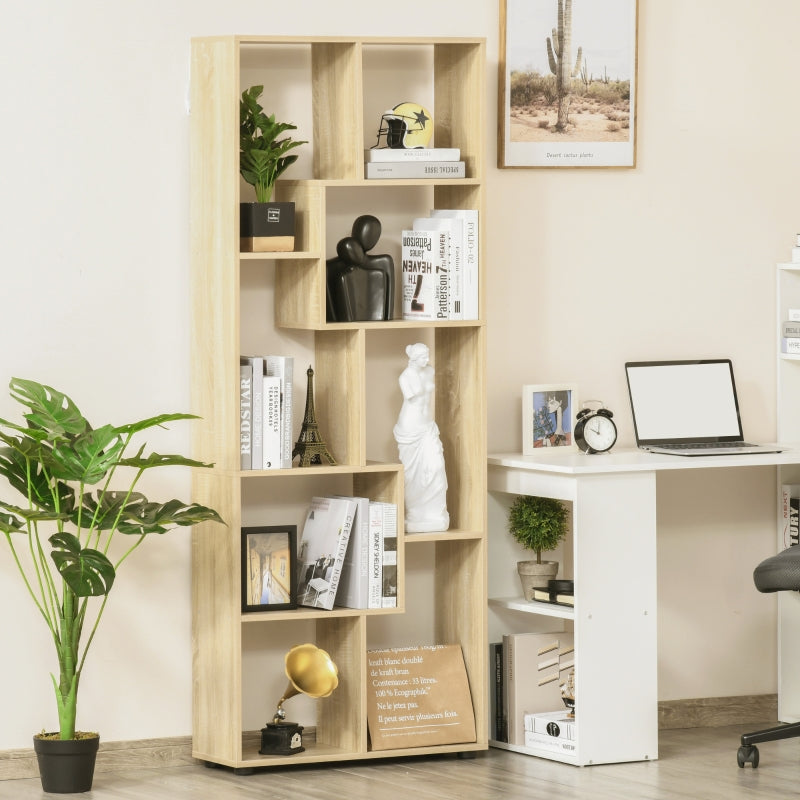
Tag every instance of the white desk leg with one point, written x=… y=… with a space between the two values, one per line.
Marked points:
x=615 y=616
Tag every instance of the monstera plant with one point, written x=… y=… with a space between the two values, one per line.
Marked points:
x=76 y=488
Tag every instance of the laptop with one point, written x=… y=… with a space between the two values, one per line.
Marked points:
x=687 y=408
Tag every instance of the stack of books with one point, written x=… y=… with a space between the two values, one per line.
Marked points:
x=265 y=406
x=554 y=731
x=428 y=162
x=439 y=262
x=348 y=554
x=528 y=670
x=790 y=333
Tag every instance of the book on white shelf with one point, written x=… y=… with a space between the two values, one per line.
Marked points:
x=796 y=255
x=790 y=345
x=354 y=581
x=375 y=556
x=470 y=251
x=322 y=549
x=420 y=267
x=388 y=553
x=497 y=705
x=788 y=491
x=557 y=724
x=414 y=169
x=545 y=596
x=793 y=315
x=541 y=741
x=454 y=227
x=791 y=329
x=395 y=154
x=532 y=667
x=271 y=427
x=245 y=413
x=283 y=367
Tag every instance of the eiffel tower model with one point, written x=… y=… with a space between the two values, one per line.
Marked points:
x=309 y=445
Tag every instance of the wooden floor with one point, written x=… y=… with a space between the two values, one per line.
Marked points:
x=693 y=764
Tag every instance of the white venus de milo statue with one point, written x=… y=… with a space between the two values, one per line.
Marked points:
x=420 y=447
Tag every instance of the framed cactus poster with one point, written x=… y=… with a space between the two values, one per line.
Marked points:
x=567 y=83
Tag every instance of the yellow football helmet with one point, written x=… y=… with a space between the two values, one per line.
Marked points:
x=407 y=125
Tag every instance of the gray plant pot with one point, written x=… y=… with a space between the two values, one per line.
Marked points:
x=66 y=766
x=535 y=576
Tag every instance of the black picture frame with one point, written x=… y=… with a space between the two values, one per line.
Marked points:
x=269 y=550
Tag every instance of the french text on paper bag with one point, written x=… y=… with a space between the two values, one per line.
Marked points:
x=391 y=678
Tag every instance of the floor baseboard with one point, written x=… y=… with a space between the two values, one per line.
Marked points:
x=700 y=712
x=144 y=753
x=714 y=712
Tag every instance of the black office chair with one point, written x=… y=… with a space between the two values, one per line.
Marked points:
x=778 y=573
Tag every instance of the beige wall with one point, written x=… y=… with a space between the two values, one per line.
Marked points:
x=588 y=269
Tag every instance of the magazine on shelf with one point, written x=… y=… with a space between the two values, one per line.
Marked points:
x=322 y=549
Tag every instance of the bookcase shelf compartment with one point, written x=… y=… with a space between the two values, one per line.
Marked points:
x=331 y=88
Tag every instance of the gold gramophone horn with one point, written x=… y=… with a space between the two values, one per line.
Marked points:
x=310 y=671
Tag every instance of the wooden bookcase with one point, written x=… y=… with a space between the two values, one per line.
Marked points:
x=332 y=84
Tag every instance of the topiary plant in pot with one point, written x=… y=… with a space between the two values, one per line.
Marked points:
x=538 y=524
x=61 y=535
x=265 y=226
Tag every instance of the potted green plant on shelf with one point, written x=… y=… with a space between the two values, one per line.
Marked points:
x=60 y=534
x=538 y=524
x=265 y=226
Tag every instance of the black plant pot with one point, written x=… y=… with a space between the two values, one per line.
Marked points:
x=266 y=227
x=66 y=766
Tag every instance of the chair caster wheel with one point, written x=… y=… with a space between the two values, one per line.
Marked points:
x=747 y=753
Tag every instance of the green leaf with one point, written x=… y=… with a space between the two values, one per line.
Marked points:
x=34 y=515
x=89 y=456
x=153 y=422
x=142 y=518
x=109 y=508
x=87 y=572
x=158 y=460
x=50 y=410
x=11 y=524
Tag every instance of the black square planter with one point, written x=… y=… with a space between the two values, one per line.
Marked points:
x=266 y=227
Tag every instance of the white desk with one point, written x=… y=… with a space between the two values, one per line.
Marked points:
x=613 y=497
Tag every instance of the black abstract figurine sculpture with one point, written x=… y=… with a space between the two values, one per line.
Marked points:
x=360 y=286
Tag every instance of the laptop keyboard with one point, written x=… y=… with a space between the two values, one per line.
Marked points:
x=708 y=446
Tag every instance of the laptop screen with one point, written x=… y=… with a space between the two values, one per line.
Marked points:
x=683 y=401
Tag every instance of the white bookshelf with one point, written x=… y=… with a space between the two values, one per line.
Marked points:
x=788 y=392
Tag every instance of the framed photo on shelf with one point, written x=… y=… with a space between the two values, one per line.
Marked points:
x=548 y=416
x=567 y=83
x=269 y=580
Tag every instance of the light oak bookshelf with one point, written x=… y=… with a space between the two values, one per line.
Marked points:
x=337 y=87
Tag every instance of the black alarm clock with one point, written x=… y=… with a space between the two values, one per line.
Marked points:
x=595 y=431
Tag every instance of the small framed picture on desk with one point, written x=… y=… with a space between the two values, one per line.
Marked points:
x=548 y=413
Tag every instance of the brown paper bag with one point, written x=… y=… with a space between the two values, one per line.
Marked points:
x=418 y=696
